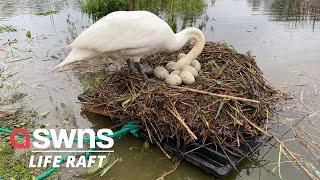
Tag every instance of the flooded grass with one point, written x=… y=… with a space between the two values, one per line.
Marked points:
x=7 y=28
x=15 y=97
x=296 y=10
x=12 y=166
x=46 y=13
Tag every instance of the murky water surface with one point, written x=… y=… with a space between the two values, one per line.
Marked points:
x=284 y=36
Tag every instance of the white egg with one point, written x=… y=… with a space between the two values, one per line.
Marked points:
x=160 y=72
x=187 y=77
x=170 y=65
x=196 y=64
x=176 y=72
x=191 y=69
x=173 y=79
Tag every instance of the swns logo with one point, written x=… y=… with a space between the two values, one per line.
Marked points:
x=63 y=142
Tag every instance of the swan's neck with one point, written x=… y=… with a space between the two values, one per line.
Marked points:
x=181 y=38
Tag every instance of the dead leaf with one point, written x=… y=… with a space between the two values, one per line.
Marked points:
x=4 y=116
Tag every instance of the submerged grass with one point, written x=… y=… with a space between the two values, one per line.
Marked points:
x=12 y=167
x=15 y=97
x=7 y=28
x=46 y=13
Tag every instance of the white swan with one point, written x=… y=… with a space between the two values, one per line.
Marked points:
x=131 y=35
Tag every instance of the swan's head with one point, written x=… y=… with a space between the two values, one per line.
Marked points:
x=170 y=65
x=180 y=63
x=181 y=55
x=59 y=66
x=63 y=64
x=191 y=69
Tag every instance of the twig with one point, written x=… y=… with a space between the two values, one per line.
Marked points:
x=220 y=72
x=279 y=161
x=204 y=145
x=16 y=60
x=178 y=117
x=292 y=156
x=169 y=172
x=164 y=152
x=1 y=63
x=217 y=95
x=288 y=130
x=255 y=126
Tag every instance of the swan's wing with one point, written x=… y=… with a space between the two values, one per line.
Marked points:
x=124 y=30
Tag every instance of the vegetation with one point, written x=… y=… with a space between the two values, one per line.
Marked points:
x=7 y=28
x=99 y=8
x=46 y=13
x=291 y=11
x=171 y=8
x=177 y=7
x=15 y=97
x=12 y=167
x=296 y=10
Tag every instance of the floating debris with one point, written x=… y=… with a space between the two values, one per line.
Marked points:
x=28 y=34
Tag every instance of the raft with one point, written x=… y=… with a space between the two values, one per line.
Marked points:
x=213 y=124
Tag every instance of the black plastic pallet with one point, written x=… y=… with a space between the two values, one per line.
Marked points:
x=209 y=158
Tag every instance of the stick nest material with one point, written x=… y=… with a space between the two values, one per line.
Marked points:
x=209 y=110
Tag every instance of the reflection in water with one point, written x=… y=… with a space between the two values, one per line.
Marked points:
x=295 y=12
x=9 y=8
x=255 y=4
x=169 y=10
x=172 y=10
x=180 y=14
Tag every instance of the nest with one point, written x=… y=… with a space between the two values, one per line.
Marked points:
x=228 y=103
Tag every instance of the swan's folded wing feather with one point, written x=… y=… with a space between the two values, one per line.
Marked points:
x=122 y=32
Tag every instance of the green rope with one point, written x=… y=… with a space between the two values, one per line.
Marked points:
x=51 y=170
x=131 y=127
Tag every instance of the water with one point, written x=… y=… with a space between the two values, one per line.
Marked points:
x=284 y=37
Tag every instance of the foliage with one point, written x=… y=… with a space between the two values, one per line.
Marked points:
x=99 y=8
x=177 y=7
x=15 y=97
x=46 y=13
x=10 y=166
x=7 y=28
x=288 y=10
x=171 y=8
x=28 y=34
